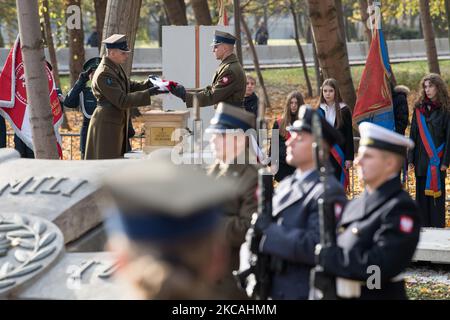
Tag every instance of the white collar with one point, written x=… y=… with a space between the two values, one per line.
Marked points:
x=301 y=175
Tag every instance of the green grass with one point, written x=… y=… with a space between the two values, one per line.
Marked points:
x=146 y=44
x=406 y=73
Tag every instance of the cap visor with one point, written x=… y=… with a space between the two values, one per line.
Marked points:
x=217 y=128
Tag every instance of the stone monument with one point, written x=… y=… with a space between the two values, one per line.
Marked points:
x=47 y=209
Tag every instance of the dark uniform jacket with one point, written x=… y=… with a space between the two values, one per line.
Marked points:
x=228 y=85
x=292 y=238
x=380 y=229
x=237 y=212
x=439 y=126
x=116 y=94
x=81 y=96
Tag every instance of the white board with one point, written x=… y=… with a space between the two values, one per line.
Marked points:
x=178 y=63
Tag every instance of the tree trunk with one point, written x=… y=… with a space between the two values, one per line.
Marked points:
x=50 y=44
x=176 y=10
x=340 y=17
x=255 y=61
x=447 y=13
x=100 y=12
x=428 y=33
x=331 y=47
x=365 y=19
x=319 y=75
x=266 y=15
x=299 y=48
x=52 y=53
x=342 y=23
x=162 y=21
x=123 y=17
x=2 y=41
x=76 y=46
x=309 y=35
x=237 y=30
x=201 y=12
x=301 y=27
x=41 y=118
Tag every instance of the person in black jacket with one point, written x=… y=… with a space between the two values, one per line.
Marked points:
x=81 y=96
x=401 y=110
x=262 y=35
x=401 y=117
x=250 y=98
x=338 y=114
x=290 y=113
x=378 y=232
x=430 y=131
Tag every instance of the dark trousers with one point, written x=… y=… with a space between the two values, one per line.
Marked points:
x=2 y=132
x=432 y=209
x=22 y=148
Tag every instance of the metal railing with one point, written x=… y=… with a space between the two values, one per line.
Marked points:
x=71 y=153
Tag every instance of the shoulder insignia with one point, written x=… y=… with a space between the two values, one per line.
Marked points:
x=226 y=80
x=406 y=224
x=338 y=210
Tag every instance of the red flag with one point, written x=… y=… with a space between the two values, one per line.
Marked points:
x=7 y=92
x=374 y=100
x=13 y=101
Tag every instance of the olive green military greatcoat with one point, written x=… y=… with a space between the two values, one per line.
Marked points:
x=228 y=85
x=237 y=216
x=115 y=95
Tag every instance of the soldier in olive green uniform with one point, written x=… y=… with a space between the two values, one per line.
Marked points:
x=229 y=81
x=234 y=161
x=116 y=95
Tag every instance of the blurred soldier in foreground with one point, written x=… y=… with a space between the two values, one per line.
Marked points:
x=166 y=229
x=290 y=234
x=235 y=160
x=229 y=81
x=379 y=231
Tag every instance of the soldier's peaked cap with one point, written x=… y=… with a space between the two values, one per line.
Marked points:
x=375 y=136
x=304 y=123
x=91 y=63
x=229 y=117
x=117 y=41
x=161 y=201
x=223 y=37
